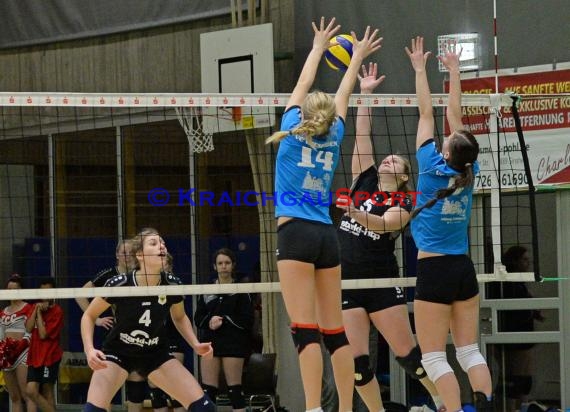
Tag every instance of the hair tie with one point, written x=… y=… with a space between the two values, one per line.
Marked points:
x=468 y=165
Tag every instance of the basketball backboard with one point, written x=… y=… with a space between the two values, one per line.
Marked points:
x=237 y=61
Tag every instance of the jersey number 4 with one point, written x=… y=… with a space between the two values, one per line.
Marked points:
x=325 y=158
x=145 y=318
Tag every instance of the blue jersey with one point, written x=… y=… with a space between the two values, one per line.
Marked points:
x=304 y=174
x=443 y=227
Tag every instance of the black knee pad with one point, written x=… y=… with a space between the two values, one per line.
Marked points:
x=158 y=398
x=136 y=391
x=334 y=339
x=237 y=399
x=412 y=363
x=211 y=391
x=89 y=407
x=204 y=404
x=362 y=372
x=304 y=335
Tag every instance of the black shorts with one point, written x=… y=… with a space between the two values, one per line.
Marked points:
x=143 y=365
x=43 y=374
x=446 y=279
x=309 y=242
x=374 y=300
x=175 y=342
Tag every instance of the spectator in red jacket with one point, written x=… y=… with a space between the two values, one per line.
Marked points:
x=45 y=325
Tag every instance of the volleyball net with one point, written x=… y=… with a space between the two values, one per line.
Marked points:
x=82 y=171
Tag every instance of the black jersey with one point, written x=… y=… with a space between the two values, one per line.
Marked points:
x=233 y=338
x=365 y=253
x=140 y=321
x=103 y=276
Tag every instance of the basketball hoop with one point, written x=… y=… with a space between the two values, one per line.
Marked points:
x=199 y=141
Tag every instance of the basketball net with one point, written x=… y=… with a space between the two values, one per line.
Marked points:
x=189 y=118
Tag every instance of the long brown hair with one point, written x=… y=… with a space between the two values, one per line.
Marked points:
x=463 y=152
x=319 y=113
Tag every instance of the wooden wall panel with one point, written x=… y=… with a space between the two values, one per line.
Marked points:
x=165 y=59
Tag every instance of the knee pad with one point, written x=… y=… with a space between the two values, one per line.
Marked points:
x=204 y=404
x=304 y=335
x=236 y=396
x=469 y=356
x=158 y=398
x=362 y=371
x=211 y=391
x=89 y=407
x=435 y=365
x=136 y=391
x=412 y=363
x=334 y=339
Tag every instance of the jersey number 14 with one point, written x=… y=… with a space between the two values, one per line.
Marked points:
x=325 y=158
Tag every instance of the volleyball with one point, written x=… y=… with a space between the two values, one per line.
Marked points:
x=338 y=56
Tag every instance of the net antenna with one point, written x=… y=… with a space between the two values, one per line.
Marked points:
x=190 y=119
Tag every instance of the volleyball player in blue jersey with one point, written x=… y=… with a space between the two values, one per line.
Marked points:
x=447 y=293
x=312 y=130
x=367 y=235
x=138 y=341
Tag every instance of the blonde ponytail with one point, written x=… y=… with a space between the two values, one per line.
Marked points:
x=276 y=137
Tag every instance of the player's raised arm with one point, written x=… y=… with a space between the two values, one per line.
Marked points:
x=307 y=77
x=363 y=153
x=418 y=59
x=450 y=59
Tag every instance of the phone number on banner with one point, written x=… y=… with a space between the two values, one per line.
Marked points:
x=486 y=180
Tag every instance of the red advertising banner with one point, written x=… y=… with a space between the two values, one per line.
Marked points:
x=544 y=111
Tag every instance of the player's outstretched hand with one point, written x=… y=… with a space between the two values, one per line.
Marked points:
x=450 y=57
x=324 y=33
x=369 y=43
x=369 y=80
x=417 y=55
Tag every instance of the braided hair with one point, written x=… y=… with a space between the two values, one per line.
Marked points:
x=319 y=112
x=463 y=152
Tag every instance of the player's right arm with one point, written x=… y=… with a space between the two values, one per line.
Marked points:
x=363 y=153
x=426 y=121
x=84 y=302
x=105 y=322
x=450 y=59
x=95 y=358
x=307 y=77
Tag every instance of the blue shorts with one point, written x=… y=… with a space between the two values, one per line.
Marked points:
x=309 y=242
x=446 y=279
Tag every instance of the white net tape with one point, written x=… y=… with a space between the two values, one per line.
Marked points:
x=262 y=287
x=189 y=118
